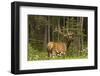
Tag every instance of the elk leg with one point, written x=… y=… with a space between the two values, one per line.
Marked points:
x=49 y=53
x=53 y=53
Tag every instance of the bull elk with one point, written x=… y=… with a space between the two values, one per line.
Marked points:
x=60 y=48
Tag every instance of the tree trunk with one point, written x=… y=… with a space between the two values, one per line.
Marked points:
x=48 y=29
x=58 y=27
x=82 y=33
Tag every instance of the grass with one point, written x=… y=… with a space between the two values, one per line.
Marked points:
x=34 y=54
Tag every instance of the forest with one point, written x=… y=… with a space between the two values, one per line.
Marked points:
x=66 y=37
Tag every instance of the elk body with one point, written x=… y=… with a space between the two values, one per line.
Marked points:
x=56 y=48
x=60 y=48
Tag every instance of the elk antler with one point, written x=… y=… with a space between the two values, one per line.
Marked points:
x=68 y=33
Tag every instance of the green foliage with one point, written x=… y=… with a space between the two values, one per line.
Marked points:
x=34 y=54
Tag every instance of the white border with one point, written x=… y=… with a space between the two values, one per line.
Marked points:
x=26 y=65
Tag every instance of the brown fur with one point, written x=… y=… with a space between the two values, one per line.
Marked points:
x=55 y=48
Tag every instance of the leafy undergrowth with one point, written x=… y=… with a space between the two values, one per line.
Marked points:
x=37 y=55
x=34 y=54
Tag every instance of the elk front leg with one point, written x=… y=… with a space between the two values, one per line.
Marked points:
x=53 y=53
x=49 y=53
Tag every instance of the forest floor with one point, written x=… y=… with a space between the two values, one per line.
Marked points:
x=37 y=55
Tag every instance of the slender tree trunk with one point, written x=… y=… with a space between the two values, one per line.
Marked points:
x=82 y=33
x=58 y=27
x=48 y=29
x=45 y=39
